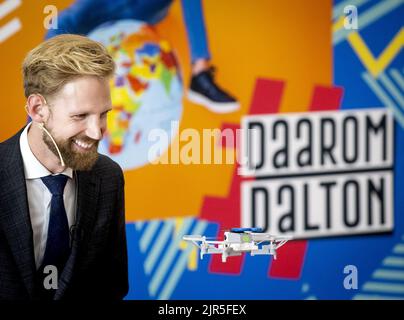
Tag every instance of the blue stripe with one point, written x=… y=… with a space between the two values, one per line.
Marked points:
x=168 y=258
x=374 y=86
x=397 y=76
x=148 y=234
x=180 y=265
x=158 y=246
x=392 y=89
x=384 y=287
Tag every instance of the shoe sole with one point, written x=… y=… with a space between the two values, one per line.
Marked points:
x=217 y=107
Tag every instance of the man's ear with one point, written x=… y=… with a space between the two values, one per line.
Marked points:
x=36 y=108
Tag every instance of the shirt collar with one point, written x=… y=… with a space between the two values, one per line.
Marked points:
x=34 y=169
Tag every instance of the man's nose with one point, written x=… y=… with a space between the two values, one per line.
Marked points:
x=94 y=130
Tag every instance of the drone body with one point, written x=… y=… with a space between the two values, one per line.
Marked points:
x=237 y=241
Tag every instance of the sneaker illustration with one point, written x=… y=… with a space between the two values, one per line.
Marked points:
x=204 y=91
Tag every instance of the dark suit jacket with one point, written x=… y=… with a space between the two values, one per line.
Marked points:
x=97 y=267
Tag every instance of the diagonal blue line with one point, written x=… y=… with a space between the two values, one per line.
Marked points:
x=392 y=89
x=158 y=246
x=384 y=287
x=385 y=274
x=397 y=76
x=148 y=234
x=139 y=225
x=399 y=248
x=393 y=261
x=168 y=258
x=180 y=265
x=368 y=17
x=383 y=97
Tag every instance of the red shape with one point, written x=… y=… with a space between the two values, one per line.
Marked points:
x=168 y=59
x=137 y=136
x=114 y=148
x=223 y=141
x=326 y=98
x=267 y=96
x=226 y=211
x=291 y=256
x=290 y=260
x=136 y=84
x=232 y=266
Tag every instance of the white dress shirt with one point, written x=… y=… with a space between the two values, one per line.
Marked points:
x=39 y=197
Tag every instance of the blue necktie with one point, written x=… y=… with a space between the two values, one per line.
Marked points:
x=57 y=245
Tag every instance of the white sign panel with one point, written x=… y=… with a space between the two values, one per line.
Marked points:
x=319 y=173
x=304 y=207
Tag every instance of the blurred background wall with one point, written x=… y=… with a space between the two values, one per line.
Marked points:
x=276 y=57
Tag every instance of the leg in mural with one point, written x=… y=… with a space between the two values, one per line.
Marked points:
x=203 y=89
x=85 y=15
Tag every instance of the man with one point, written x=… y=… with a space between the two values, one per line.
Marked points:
x=61 y=203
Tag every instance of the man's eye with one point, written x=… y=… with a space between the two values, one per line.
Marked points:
x=79 y=116
x=104 y=114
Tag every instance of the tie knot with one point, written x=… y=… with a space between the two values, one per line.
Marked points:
x=55 y=184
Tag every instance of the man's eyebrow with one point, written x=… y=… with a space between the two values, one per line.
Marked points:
x=107 y=109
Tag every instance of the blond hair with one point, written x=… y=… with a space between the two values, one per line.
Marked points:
x=55 y=62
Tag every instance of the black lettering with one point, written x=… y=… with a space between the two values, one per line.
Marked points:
x=328 y=201
x=379 y=193
x=375 y=128
x=306 y=210
x=346 y=139
x=327 y=149
x=264 y=191
x=260 y=127
x=282 y=153
x=289 y=217
x=307 y=151
x=355 y=187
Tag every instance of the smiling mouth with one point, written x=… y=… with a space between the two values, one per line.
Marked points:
x=83 y=145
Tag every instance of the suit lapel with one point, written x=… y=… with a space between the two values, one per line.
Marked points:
x=88 y=185
x=14 y=217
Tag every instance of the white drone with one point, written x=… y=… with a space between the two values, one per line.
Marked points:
x=239 y=240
